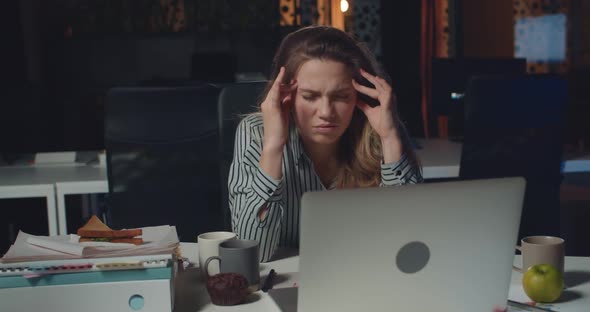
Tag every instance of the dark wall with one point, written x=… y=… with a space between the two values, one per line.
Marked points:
x=63 y=109
x=80 y=70
x=400 y=22
x=12 y=61
x=17 y=97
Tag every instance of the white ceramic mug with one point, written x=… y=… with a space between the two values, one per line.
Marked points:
x=209 y=247
x=541 y=250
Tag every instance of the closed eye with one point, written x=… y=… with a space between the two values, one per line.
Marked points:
x=309 y=97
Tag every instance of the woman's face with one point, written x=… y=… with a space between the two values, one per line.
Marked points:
x=324 y=101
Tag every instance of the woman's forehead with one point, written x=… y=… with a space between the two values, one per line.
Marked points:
x=322 y=74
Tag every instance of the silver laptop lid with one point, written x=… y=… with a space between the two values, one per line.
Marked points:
x=428 y=247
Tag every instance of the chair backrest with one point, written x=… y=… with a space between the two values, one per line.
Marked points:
x=161 y=158
x=234 y=101
x=515 y=127
x=215 y=67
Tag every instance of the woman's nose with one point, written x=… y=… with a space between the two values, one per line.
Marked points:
x=325 y=110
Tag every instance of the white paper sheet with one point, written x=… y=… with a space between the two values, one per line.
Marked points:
x=64 y=246
x=157 y=240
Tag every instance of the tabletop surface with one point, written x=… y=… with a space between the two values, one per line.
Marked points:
x=192 y=295
x=32 y=175
x=439 y=152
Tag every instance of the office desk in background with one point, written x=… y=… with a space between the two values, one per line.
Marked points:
x=440 y=159
x=32 y=190
x=192 y=295
x=78 y=180
x=31 y=182
x=53 y=183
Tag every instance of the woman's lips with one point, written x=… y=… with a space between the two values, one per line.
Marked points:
x=325 y=128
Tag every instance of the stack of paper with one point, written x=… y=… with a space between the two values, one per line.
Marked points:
x=157 y=240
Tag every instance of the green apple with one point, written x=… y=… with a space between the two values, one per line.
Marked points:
x=543 y=283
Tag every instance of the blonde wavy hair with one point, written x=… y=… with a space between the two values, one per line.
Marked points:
x=360 y=153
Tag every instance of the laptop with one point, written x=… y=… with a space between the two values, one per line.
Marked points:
x=429 y=247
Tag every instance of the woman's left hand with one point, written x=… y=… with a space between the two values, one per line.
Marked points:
x=381 y=116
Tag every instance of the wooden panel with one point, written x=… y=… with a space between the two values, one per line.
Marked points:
x=488 y=28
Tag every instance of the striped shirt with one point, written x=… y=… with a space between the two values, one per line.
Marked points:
x=250 y=188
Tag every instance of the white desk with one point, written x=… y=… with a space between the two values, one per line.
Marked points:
x=192 y=294
x=440 y=159
x=576 y=296
x=25 y=182
x=52 y=182
x=78 y=180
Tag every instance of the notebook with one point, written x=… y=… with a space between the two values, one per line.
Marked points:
x=428 y=247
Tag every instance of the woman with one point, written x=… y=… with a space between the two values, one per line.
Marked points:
x=316 y=131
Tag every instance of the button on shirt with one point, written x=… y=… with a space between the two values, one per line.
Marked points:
x=250 y=188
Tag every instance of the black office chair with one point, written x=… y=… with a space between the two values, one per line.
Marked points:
x=235 y=100
x=515 y=127
x=215 y=66
x=162 y=158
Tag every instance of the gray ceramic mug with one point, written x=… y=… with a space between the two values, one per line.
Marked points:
x=239 y=256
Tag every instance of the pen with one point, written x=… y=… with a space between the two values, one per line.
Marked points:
x=267 y=285
x=528 y=307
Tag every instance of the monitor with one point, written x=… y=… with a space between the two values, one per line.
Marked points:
x=449 y=82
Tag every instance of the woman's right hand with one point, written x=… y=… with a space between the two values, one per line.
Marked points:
x=275 y=112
